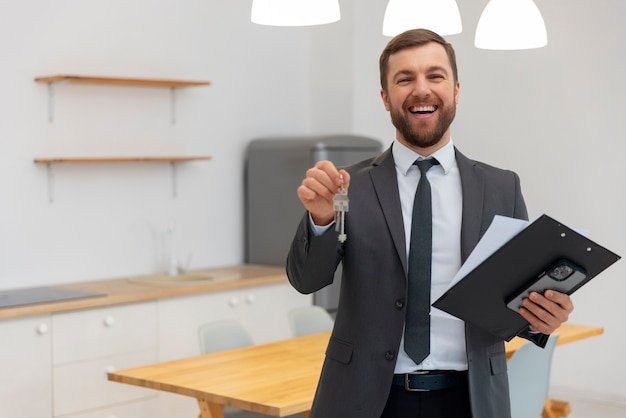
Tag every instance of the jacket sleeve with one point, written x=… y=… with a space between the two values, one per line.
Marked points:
x=312 y=260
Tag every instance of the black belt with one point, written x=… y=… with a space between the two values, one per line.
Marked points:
x=423 y=381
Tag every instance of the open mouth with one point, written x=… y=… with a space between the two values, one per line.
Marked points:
x=422 y=110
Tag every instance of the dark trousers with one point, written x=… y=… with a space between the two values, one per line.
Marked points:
x=444 y=403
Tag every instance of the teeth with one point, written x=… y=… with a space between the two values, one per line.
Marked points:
x=418 y=109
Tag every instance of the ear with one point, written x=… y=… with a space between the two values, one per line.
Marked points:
x=385 y=98
x=456 y=92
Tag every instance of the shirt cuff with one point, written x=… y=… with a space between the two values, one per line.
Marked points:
x=318 y=230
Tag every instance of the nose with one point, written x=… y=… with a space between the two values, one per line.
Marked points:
x=421 y=87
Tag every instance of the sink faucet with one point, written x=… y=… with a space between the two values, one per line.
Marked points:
x=174 y=266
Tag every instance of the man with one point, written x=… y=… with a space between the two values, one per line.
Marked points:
x=367 y=371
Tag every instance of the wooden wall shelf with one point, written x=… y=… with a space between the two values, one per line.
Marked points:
x=141 y=82
x=149 y=82
x=92 y=160
x=172 y=160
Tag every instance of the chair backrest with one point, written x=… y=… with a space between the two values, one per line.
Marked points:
x=529 y=378
x=223 y=335
x=306 y=320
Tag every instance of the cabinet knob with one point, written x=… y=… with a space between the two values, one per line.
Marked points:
x=233 y=302
x=250 y=299
x=108 y=321
x=42 y=329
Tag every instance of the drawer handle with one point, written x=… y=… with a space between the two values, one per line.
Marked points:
x=233 y=302
x=42 y=329
x=108 y=321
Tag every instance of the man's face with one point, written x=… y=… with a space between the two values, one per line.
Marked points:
x=421 y=96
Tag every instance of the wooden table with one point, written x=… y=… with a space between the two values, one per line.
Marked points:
x=276 y=379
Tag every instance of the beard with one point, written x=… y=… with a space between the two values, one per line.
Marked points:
x=422 y=137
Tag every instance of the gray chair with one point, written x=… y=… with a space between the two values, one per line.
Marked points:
x=307 y=320
x=529 y=378
x=226 y=335
x=223 y=335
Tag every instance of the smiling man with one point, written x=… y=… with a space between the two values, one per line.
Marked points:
x=416 y=213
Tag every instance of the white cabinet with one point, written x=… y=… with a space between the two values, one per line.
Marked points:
x=56 y=365
x=25 y=367
x=88 y=344
x=262 y=310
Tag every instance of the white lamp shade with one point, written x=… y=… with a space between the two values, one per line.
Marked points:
x=295 y=12
x=441 y=16
x=511 y=24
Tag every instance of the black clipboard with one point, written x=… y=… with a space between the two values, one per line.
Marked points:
x=480 y=297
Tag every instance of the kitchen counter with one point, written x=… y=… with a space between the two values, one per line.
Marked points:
x=153 y=287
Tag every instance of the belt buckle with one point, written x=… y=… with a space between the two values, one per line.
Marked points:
x=407 y=385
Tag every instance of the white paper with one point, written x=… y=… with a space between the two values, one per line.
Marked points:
x=501 y=230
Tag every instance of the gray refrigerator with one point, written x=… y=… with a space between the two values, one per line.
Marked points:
x=274 y=168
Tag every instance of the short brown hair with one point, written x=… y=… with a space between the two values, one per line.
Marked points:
x=409 y=39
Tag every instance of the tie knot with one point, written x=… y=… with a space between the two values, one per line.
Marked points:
x=425 y=165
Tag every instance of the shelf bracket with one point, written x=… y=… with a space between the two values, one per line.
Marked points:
x=174 y=179
x=50 y=178
x=173 y=104
x=50 y=102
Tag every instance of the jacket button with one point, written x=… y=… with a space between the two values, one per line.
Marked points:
x=389 y=355
x=399 y=304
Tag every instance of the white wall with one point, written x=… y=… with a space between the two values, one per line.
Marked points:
x=553 y=115
x=110 y=220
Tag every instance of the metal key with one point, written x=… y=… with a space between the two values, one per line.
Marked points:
x=341 y=204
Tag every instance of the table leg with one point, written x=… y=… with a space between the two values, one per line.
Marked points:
x=553 y=408
x=306 y=414
x=210 y=409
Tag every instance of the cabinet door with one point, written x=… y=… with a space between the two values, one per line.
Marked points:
x=262 y=310
x=95 y=333
x=26 y=367
x=88 y=343
x=265 y=311
x=84 y=386
x=179 y=319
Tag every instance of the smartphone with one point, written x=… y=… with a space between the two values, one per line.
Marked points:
x=562 y=276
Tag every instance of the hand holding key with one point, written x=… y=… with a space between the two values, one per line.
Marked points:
x=318 y=189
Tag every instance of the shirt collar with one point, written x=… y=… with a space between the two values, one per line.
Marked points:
x=404 y=157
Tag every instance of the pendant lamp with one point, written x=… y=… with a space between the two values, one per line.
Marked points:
x=511 y=24
x=441 y=16
x=294 y=12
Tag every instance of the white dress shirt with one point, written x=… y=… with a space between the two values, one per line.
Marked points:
x=447 y=335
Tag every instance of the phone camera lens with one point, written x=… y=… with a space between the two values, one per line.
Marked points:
x=561 y=272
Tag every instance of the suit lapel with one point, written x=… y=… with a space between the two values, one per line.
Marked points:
x=385 y=185
x=472 y=186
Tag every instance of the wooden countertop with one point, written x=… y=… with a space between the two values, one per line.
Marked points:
x=134 y=289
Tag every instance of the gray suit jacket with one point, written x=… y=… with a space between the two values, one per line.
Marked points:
x=361 y=355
